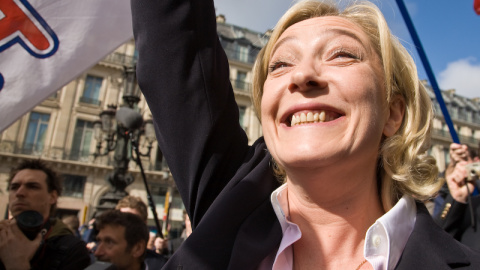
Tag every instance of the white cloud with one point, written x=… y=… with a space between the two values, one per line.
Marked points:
x=462 y=75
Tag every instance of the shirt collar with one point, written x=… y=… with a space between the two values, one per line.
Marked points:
x=387 y=237
x=280 y=205
x=384 y=240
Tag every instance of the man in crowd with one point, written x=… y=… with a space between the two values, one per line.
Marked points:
x=122 y=240
x=35 y=186
x=136 y=206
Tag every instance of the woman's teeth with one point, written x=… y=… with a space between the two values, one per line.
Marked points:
x=310 y=117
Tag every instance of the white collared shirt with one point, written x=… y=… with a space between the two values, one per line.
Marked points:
x=384 y=240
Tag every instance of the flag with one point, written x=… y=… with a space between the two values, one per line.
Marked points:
x=44 y=44
x=476 y=6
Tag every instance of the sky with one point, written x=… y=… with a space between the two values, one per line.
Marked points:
x=449 y=32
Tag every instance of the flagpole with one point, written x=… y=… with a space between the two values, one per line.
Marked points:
x=428 y=70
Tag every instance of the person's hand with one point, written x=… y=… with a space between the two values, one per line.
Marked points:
x=90 y=246
x=16 y=250
x=457 y=184
x=151 y=241
x=160 y=244
x=459 y=152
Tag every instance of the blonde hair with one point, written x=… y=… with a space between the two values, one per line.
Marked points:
x=403 y=168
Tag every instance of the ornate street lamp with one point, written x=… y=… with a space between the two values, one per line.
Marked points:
x=131 y=91
x=118 y=129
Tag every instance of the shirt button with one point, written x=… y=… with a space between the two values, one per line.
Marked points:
x=376 y=240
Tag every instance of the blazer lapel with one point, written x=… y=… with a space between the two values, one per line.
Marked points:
x=430 y=247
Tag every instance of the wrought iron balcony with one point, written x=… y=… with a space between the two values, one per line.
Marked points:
x=242 y=56
x=88 y=100
x=120 y=59
x=241 y=85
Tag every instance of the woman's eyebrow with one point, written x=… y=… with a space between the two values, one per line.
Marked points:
x=280 y=42
x=329 y=31
x=344 y=32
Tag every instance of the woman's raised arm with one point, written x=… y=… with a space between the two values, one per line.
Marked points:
x=184 y=74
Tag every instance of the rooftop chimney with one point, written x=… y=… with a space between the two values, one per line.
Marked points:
x=221 y=18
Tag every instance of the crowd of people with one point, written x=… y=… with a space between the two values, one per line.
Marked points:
x=116 y=239
x=121 y=238
x=336 y=182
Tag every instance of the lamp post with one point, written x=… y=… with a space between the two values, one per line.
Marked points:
x=114 y=134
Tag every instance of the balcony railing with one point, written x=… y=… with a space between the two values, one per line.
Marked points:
x=463 y=116
x=445 y=134
x=79 y=156
x=32 y=149
x=120 y=59
x=57 y=153
x=241 y=85
x=88 y=100
x=242 y=56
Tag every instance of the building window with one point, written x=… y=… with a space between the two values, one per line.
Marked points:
x=454 y=111
x=36 y=132
x=240 y=82
x=54 y=95
x=438 y=110
x=241 y=111
x=242 y=53
x=82 y=140
x=469 y=114
x=73 y=185
x=91 y=92
x=160 y=161
x=446 y=154
x=135 y=56
x=253 y=54
x=462 y=114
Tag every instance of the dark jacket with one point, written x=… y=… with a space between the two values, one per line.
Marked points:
x=225 y=184
x=456 y=219
x=154 y=260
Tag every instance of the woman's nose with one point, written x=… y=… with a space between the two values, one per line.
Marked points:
x=306 y=76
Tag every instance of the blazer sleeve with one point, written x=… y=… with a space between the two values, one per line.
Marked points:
x=183 y=73
x=451 y=215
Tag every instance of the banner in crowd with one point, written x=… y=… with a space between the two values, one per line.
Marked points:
x=44 y=44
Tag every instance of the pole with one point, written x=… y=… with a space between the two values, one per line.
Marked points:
x=428 y=70
x=149 y=195
x=166 y=211
x=84 y=215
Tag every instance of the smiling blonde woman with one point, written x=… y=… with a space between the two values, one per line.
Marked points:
x=338 y=178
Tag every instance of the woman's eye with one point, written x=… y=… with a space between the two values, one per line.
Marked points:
x=277 y=65
x=344 y=54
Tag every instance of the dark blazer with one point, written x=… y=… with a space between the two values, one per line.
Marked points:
x=225 y=184
x=455 y=218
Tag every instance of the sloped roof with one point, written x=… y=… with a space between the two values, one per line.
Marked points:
x=233 y=32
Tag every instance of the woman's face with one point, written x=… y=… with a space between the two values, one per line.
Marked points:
x=324 y=101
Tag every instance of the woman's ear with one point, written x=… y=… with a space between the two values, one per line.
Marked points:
x=395 y=117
